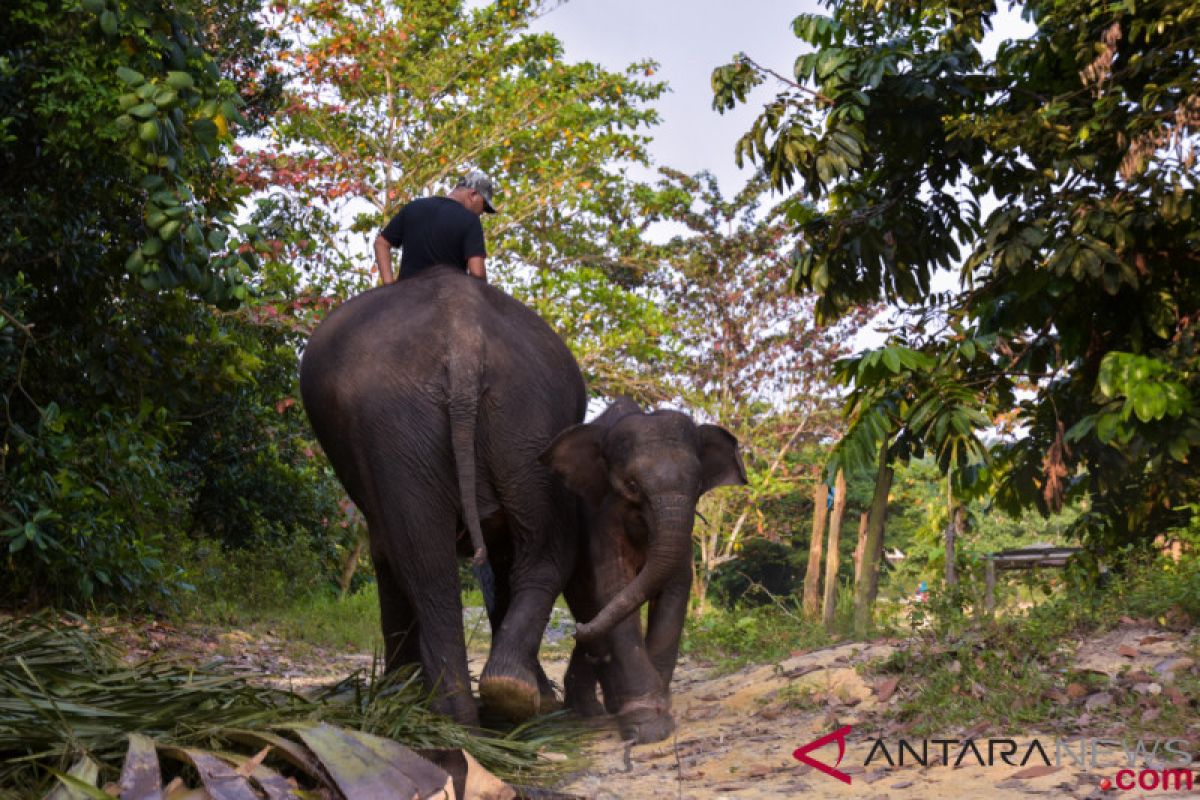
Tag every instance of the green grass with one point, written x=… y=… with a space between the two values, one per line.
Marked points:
x=319 y=619
x=730 y=639
x=1013 y=671
x=325 y=620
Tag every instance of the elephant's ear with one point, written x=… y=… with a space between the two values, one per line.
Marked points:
x=720 y=460
x=576 y=456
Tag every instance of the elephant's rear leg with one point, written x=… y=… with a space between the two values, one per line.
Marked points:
x=418 y=545
x=401 y=646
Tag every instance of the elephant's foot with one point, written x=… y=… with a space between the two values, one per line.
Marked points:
x=514 y=699
x=645 y=720
x=582 y=700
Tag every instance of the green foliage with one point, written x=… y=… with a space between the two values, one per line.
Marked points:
x=239 y=584
x=917 y=520
x=138 y=408
x=762 y=570
x=390 y=101
x=900 y=136
x=762 y=635
x=93 y=506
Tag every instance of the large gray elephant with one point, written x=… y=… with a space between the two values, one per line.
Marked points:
x=640 y=475
x=433 y=398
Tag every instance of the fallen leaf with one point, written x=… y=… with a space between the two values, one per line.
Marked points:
x=886 y=688
x=247 y=769
x=1035 y=772
x=1127 y=651
x=1076 y=691
x=976 y=730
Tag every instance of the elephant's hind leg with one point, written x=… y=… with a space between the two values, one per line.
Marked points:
x=418 y=545
x=401 y=635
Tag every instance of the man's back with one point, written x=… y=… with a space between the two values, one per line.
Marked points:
x=432 y=231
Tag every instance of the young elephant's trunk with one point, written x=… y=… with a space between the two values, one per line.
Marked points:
x=669 y=554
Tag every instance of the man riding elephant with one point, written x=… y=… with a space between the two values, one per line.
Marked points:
x=434 y=231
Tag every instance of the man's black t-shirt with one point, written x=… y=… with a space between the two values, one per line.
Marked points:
x=432 y=231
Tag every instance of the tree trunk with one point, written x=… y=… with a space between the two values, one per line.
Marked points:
x=812 y=577
x=833 y=554
x=868 y=585
x=862 y=544
x=953 y=527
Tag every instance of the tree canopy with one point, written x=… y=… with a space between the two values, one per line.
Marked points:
x=1058 y=178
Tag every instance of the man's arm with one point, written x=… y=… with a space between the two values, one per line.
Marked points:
x=475 y=267
x=383 y=258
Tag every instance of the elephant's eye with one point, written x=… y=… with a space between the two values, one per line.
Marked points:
x=632 y=486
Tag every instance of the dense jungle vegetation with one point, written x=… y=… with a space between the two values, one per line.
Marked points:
x=186 y=190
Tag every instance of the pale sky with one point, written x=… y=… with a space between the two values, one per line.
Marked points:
x=689 y=38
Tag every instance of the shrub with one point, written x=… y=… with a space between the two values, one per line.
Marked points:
x=762 y=569
x=91 y=506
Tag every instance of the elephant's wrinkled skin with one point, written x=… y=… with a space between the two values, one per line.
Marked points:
x=640 y=476
x=433 y=398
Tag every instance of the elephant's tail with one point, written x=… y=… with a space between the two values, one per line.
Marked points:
x=463 y=412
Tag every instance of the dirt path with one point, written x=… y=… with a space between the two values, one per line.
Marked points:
x=736 y=733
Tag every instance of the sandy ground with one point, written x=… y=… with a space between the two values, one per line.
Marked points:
x=736 y=733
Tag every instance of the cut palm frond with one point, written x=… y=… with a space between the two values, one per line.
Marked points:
x=67 y=699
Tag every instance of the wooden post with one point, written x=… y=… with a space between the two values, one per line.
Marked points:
x=989 y=600
x=862 y=545
x=833 y=553
x=812 y=577
x=868 y=587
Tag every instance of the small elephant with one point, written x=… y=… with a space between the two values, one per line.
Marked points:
x=640 y=476
x=433 y=398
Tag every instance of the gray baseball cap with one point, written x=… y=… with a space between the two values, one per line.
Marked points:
x=482 y=183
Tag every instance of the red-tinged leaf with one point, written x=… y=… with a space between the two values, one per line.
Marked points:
x=1127 y=651
x=886 y=688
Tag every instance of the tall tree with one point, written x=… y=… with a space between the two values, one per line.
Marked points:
x=755 y=361
x=387 y=101
x=1062 y=174
x=120 y=264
